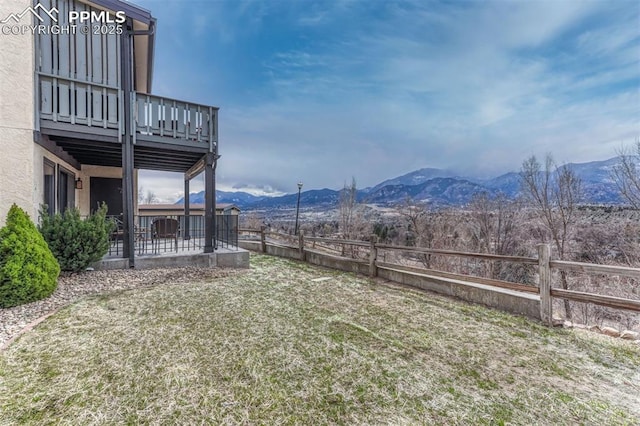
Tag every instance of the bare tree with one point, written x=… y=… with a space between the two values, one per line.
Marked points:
x=150 y=197
x=347 y=207
x=146 y=196
x=495 y=223
x=494 y=229
x=554 y=193
x=351 y=216
x=418 y=229
x=252 y=220
x=416 y=220
x=627 y=176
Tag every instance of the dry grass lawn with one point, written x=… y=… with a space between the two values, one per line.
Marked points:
x=288 y=343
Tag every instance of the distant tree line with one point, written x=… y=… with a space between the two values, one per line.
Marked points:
x=549 y=210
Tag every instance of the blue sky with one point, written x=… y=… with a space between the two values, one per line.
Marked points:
x=320 y=91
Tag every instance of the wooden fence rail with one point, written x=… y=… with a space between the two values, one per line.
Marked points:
x=544 y=264
x=485 y=256
x=591 y=268
x=598 y=299
x=338 y=242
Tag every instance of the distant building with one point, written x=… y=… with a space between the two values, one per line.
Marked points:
x=195 y=209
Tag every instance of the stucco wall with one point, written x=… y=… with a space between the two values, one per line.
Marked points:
x=82 y=196
x=16 y=116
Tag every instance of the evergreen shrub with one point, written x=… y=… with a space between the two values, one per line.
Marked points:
x=28 y=269
x=74 y=241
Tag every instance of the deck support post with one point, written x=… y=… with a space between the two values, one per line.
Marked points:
x=209 y=203
x=128 y=189
x=187 y=208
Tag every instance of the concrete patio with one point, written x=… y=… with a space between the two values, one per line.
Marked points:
x=192 y=255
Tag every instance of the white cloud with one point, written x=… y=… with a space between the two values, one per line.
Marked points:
x=476 y=86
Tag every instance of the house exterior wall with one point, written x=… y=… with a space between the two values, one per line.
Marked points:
x=82 y=196
x=16 y=116
x=21 y=162
x=22 y=179
x=38 y=176
x=87 y=172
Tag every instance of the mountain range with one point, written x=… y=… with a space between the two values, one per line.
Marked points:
x=434 y=186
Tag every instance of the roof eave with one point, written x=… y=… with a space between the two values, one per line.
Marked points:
x=131 y=10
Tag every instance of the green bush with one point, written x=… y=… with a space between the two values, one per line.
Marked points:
x=74 y=241
x=28 y=270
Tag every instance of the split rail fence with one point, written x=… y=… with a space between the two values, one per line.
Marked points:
x=366 y=258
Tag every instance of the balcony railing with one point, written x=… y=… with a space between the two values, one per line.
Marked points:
x=158 y=118
x=78 y=102
x=85 y=107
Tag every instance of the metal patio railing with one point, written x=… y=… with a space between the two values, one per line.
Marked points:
x=150 y=240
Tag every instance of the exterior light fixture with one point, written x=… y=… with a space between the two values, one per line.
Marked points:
x=78 y=183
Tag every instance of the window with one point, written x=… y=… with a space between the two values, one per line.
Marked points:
x=59 y=187
x=49 y=186
x=66 y=189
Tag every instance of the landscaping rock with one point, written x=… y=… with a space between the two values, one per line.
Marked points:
x=610 y=331
x=75 y=286
x=630 y=335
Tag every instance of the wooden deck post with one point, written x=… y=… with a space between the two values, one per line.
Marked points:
x=544 y=284
x=373 y=255
x=209 y=204
x=187 y=212
x=127 y=147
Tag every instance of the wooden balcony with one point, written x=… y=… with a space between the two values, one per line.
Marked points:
x=167 y=120
x=96 y=109
x=86 y=120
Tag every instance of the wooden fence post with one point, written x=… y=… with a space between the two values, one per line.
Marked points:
x=544 y=284
x=301 y=245
x=373 y=255
x=263 y=239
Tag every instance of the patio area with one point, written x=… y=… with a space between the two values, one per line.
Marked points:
x=173 y=241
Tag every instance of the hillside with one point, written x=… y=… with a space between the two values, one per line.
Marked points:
x=436 y=191
x=436 y=186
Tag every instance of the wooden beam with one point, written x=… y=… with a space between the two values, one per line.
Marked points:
x=472 y=279
x=590 y=268
x=78 y=131
x=196 y=169
x=49 y=145
x=485 y=256
x=544 y=284
x=338 y=241
x=608 y=301
x=179 y=143
x=373 y=255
